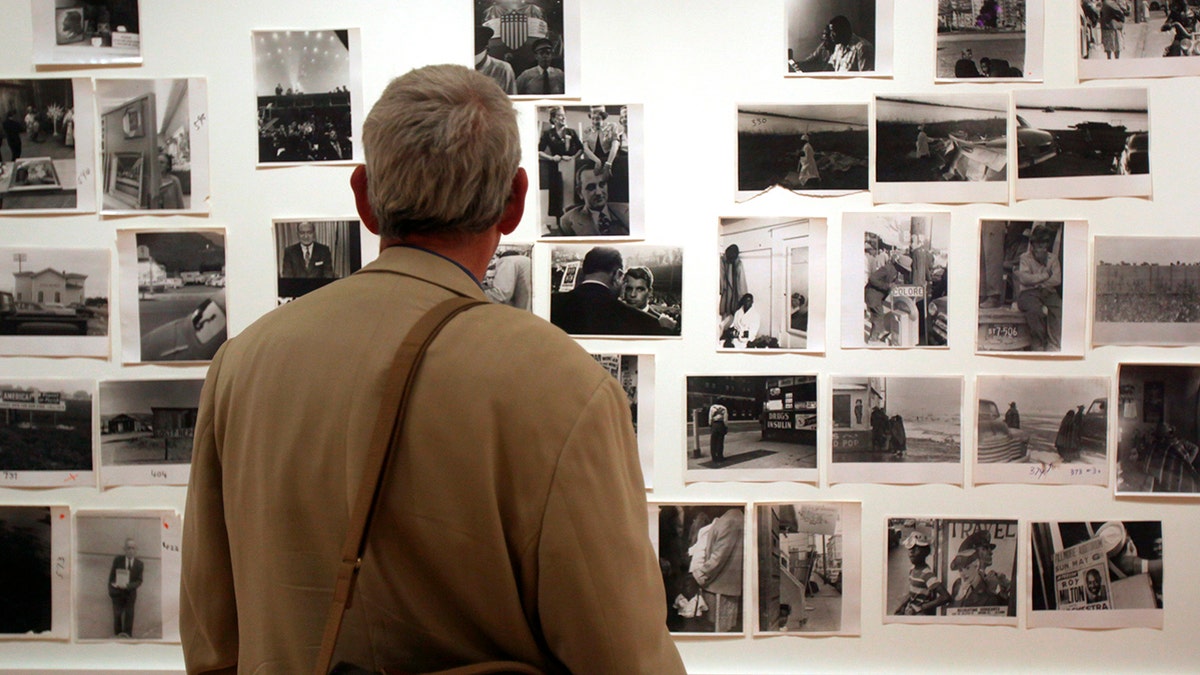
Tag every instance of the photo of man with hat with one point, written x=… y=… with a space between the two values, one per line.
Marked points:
x=879 y=286
x=926 y=592
x=542 y=79
x=1039 y=291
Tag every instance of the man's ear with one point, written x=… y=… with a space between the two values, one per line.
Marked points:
x=358 y=183
x=515 y=209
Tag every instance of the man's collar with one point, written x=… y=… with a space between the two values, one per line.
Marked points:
x=429 y=265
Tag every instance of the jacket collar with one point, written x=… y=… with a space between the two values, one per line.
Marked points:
x=427 y=266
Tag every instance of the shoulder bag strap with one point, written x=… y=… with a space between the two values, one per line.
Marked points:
x=385 y=436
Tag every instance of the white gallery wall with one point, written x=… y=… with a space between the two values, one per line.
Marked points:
x=689 y=64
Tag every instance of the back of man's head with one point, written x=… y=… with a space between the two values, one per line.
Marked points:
x=442 y=148
x=601 y=259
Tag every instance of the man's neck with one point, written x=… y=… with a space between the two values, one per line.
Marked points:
x=472 y=251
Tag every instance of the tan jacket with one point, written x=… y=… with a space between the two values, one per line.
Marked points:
x=514 y=522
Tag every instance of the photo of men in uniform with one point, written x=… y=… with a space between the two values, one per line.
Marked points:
x=520 y=44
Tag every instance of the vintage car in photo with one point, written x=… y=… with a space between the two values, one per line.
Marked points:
x=1135 y=158
x=31 y=318
x=1034 y=146
x=997 y=442
x=195 y=337
x=1083 y=429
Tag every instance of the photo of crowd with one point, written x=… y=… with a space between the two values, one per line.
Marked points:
x=981 y=38
x=302 y=80
x=627 y=290
x=1147 y=291
x=1137 y=38
x=701 y=553
x=802 y=147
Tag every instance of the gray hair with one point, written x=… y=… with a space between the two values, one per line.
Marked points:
x=441 y=148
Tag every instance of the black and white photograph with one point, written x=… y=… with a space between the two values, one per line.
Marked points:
x=86 y=32
x=628 y=290
x=820 y=149
x=1097 y=574
x=838 y=38
x=313 y=253
x=947 y=148
x=127 y=576
x=1158 y=440
x=146 y=431
x=590 y=170
x=951 y=571
x=172 y=288
x=1042 y=430
x=1147 y=291
x=308 y=86
x=153 y=145
x=989 y=39
x=897 y=430
x=46 y=432
x=896 y=293
x=529 y=47
x=1032 y=287
x=635 y=372
x=509 y=277
x=772 y=293
x=54 y=302
x=751 y=428
x=42 y=167
x=809 y=568
x=35 y=543
x=1091 y=142
x=702 y=555
x=1137 y=38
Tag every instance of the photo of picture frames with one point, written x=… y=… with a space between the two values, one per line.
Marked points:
x=1041 y=288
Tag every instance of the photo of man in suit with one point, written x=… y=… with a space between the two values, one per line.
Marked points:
x=593 y=308
x=596 y=217
x=123 y=580
x=308 y=259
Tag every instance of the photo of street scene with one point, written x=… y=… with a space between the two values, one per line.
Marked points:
x=701 y=551
x=881 y=424
x=179 y=301
x=1147 y=291
x=818 y=148
x=146 y=423
x=61 y=294
x=45 y=427
x=903 y=274
x=751 y=427
x=43 y=152
x=982 y=38
x=1158 y=445
x=1098 y=574
x=809 y=581
x=1059 y=424
x=1137 y=38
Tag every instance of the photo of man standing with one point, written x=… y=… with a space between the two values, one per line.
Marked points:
x=123 y=581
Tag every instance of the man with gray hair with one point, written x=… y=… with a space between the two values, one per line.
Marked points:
x=512 y=521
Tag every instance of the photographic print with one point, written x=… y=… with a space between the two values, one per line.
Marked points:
x=154 y=145
x=1099 y=574
x=989 y=39
x=839 y=38
x=809 y=568
x=86 y=32
x=772 y=293
x=1137 y=38
x=1157 y=451
x=54 y=302
x=702 y=553
x=309 y=89
x=127 y=575
x=46 y=432
x=630 y=290
x=1147 y=291
x=313 y=253
x=897 y=430
x=902 y=279
x=951 y=571
x=590 y=170
x=1082 y=143
x=751 y=428
x=41 y=167
x=945 y=148
x=529 y=47
x=172 y=294
x=146 y=431
x=509 y=277
x=35 y=544
x=1032 y=287
x=805 y=148
x=1042 y=430
x=635 y=372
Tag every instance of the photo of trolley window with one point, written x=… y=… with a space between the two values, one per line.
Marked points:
x=751 y=427
x=701 y=551
x=1158 y=446
x=809 y=577
x=1147 y=291
x=1097 y=574
x=895 y=293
